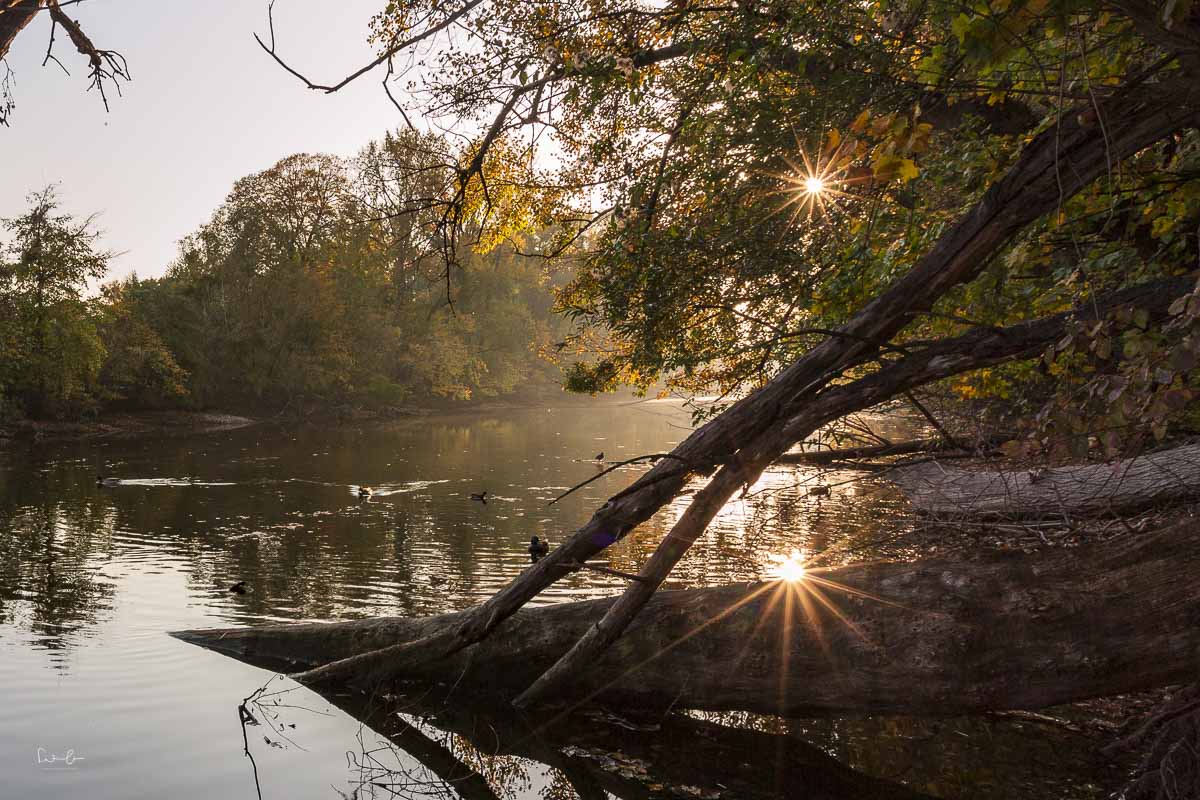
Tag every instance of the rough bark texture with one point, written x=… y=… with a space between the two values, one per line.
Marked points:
x=1007 y=631
x=1121 y=487
x=14 y=16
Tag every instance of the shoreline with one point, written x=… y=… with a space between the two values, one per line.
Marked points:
x=135 y=424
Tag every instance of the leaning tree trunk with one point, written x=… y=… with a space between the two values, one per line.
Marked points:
x=746 y=438
x=1116 y=488
x=14 y=16
x=979 y=348
x=934 y=637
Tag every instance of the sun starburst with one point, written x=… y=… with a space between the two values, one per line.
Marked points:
x=788 y=568
x=816 y=184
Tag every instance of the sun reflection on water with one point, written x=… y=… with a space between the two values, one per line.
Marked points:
x=788 y=568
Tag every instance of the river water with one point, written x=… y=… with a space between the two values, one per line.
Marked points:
x=97 y=701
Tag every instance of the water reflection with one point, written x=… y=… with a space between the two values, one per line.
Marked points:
x=92 y=577
x=278 y=510
x=429 y=744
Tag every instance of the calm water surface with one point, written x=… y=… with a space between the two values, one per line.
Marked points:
x=91 y=580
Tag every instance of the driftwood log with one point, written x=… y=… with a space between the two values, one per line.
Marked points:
x=1120 y=487
x=833 y=456
x=1008 y=631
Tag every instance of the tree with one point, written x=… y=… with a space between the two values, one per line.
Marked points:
x=794 y=194
x=54 y=257
x=318 y=283
x=139 y=369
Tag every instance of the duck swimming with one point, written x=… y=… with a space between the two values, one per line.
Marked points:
x=364 y=492
x=101 y=480
x=537 y=549
x=238 y=588
x=480 y=496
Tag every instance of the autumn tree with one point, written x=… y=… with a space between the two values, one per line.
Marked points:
x=816 y=206
x=139 y=370
x=52 y=257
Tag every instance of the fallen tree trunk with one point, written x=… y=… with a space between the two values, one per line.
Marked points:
x=832 y=456
x=1121 y=487
x=1009 y=631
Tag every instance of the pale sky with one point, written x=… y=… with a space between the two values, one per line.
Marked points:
x=205 y=108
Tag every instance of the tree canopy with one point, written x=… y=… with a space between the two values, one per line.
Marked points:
x=736 y=180
x=306 y=290
x=801 y=201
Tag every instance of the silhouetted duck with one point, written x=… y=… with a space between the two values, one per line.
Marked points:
x=600 y=456
x=101 y=480
x=537 y=549
x=238 y=588
x=480 y=496
x=364 y=492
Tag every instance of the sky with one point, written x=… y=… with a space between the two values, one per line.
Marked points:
x=206 y=106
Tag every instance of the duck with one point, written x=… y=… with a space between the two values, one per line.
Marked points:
x=480 y=496
x=238 y=588
x=364 y=492
x=537 y=549
x=600 y=456
x=102 y=480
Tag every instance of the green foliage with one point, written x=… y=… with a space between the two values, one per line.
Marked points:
x=139 y=371
x=48 y=334
x=679 y=139
x=318 y=283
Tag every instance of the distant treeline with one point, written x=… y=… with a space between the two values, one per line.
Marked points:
x=320 y=282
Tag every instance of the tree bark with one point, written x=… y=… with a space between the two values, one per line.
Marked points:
x=1121 y=487
x=1008 y=631
x=986 y=347
x=14 y=16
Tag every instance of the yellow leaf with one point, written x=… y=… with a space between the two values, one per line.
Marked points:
x=860 y=122
x=833 y=140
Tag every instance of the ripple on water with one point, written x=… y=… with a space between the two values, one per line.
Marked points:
x=91 y=579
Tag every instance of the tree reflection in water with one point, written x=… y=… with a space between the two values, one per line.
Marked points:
x=424 y=743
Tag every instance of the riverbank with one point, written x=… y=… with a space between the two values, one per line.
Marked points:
x=180 y=422
x=141 y=423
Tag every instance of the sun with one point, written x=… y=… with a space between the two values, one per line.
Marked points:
x=789 y=568
x=816 y=184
